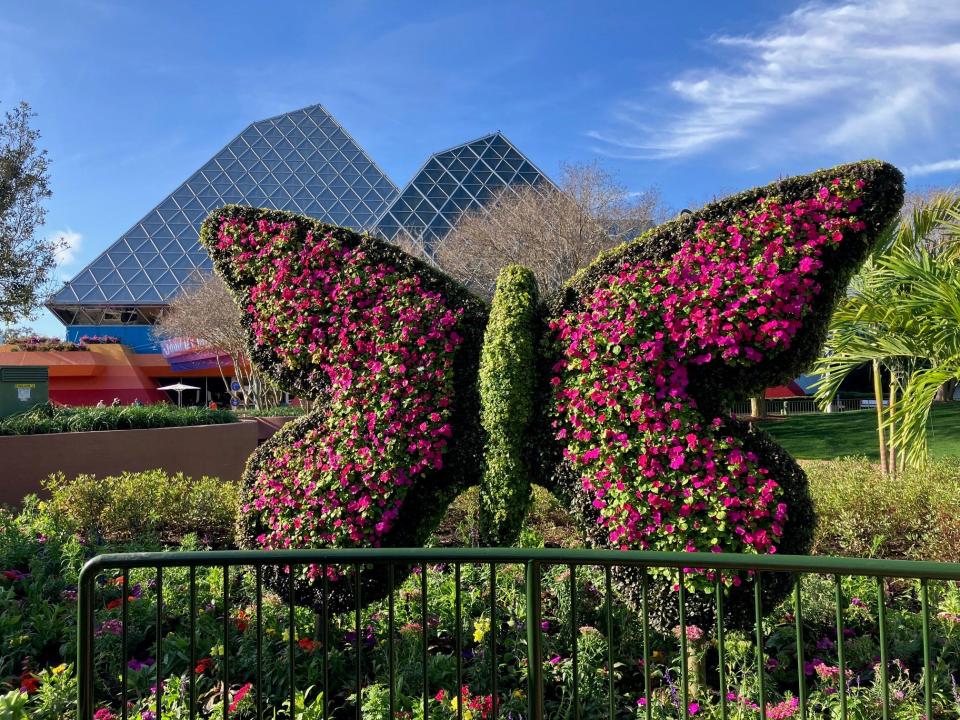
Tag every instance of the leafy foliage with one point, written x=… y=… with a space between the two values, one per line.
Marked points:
x=389 y=350
x=865 y=513
x=507 y=384
x=51 y=418
x=139 y=505
x=26 y=260
x=902 y=315
x=40 y=557
x=651 y=341
x=641 y=352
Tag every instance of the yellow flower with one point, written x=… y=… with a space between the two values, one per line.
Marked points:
x=467 y=714
x=59 y=669
x=454 y=702
x=481 y=627
x=517 y=694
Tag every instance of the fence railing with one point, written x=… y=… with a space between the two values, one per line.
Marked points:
x=113 y=571
x=801 y=406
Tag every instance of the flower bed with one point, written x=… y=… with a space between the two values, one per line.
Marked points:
x=40 y=557
x=39 y=343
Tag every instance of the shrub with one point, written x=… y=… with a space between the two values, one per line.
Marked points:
x=640 y=352
x=507 y=380
x=389 y=347
x=39 y=343
x=51 y=418
x=277 y=411
x=646 y=345
x=864 y=513
x=139 y=505
x=99 y=340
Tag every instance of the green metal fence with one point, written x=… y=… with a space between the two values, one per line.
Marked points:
x=534 y=561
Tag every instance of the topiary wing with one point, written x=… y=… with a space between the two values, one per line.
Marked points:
x=388 y=348
x=648 y=346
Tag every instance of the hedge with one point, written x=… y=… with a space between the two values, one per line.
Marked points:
x=144 y=506
x=635 y=358
x=507 y=381
x=389 y=349
x=650 y=302
x=51 y=418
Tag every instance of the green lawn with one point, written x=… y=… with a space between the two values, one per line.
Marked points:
x=827 y=436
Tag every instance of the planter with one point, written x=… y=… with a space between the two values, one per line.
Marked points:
x=267 y=426
x=215 y=450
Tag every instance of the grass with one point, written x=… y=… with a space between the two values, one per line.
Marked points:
x=828 y=436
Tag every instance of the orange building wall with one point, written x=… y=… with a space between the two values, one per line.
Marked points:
x=102 y=373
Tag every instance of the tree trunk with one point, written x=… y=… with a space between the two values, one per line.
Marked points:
x=878 y=398
x=945 y=393
x=892 y=434
x=758 y=407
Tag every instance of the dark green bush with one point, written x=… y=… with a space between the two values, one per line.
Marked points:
x=50 y=418
x=507 y=380
x=864 y=513
x=136 y=506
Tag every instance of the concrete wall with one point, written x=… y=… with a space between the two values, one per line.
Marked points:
x=268 y=425
x=214 y=450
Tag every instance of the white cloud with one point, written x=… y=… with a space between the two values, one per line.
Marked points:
x=865 y=75
x=70 y=245
x=933 y=167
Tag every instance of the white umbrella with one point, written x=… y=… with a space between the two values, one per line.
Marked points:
x=178 y=388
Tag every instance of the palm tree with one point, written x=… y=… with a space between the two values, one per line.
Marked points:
x=902 y=315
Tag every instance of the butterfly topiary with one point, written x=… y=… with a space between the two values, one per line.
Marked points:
x=612 y=392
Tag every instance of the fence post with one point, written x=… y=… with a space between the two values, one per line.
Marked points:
x=534 y=661
x=85 y=641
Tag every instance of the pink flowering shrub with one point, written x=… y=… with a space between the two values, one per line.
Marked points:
x=661 y=475
x=375 y=344
x=331 y=313
x=621 y=413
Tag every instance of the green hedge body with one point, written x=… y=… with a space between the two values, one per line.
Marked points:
x=715 y=384
x=507 y=382
x=432 y=492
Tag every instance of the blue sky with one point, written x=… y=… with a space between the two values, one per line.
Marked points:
x=700 y=99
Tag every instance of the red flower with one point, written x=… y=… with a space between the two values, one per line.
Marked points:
x=307 y=644
x=241 y=620
x=29 y=682
x=239 y=695
x=204 y=665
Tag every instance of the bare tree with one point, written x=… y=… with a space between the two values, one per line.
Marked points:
x=554 y=232
x=207 y=312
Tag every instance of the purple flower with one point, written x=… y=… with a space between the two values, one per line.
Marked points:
x=825 y=643
x=555 y=659
x=135 y=664
x=109 y=627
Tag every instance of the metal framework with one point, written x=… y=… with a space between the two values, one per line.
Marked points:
x=533 y=561
x=454 y=181
x=302 y=161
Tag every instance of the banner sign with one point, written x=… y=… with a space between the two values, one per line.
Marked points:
x=186 y=353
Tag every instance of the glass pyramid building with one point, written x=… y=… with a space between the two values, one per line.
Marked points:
x=302 y=161
x=452 y=182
